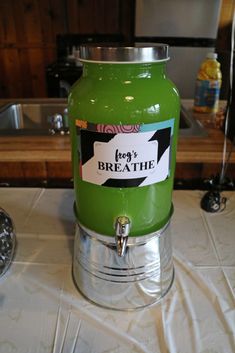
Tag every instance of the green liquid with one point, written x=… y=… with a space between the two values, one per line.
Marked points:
x=123 y=94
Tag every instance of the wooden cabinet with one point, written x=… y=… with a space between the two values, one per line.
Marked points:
x=38 y=173
x=35 y=160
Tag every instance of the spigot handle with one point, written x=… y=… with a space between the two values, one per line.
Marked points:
x=122 y=228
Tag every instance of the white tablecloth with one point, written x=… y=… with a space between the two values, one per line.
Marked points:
x=41 y=310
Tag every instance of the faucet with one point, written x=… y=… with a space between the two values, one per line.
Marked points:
x=122 y=228
x=59 y=123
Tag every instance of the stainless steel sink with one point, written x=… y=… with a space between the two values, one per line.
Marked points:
x=189 y=126
x=47 y=118
x=33 y=119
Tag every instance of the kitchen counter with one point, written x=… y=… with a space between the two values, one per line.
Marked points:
x=50 y=157
x=42 y=311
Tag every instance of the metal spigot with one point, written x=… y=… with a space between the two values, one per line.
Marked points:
x=122 y=227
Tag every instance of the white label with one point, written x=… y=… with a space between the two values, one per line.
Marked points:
x=126 y=159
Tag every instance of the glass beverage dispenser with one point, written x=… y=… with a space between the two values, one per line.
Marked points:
x=124 y=116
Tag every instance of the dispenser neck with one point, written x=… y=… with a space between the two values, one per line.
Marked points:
x=119 y=71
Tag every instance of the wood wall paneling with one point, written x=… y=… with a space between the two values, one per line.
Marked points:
x=127 y=19
x=18 y=17
x=93 y=16
x=7 y=25
x=31 y=21
x=25 y=70
x=37 y=67
x=46 y=15
x=3 y=86
x=72 y=15
x=53 y=19
x=13 y=86
x=85 y=16
x=106 y=16
x=28 y=30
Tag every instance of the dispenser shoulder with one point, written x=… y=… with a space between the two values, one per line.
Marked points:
x=124 y=101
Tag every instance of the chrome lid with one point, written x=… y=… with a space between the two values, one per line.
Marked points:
x=156 y=53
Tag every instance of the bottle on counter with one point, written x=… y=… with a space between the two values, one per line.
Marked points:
x=208 y=85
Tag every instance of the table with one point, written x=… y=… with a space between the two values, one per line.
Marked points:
x=42 y=311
